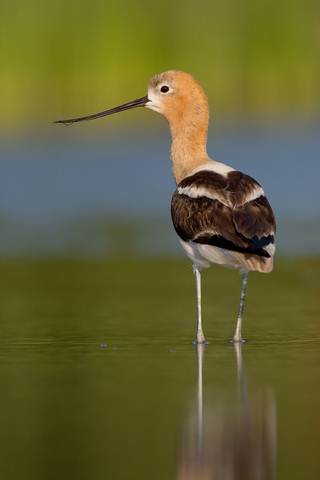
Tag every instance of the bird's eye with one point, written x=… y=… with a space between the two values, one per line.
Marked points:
x=164 y=89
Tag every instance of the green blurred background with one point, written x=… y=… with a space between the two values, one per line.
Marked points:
x=97 y=369
x=252 y=57
x=59 y=192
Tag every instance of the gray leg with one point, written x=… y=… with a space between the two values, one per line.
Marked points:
x=200 y=352
x=237 y=334
x=200 y=336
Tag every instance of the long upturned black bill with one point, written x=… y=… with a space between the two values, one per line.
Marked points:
x=139 y=102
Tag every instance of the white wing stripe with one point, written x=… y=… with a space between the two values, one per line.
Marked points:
x=253 y=195
x=196 y=192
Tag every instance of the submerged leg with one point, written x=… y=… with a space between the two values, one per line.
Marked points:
x=200 y=336
x=237 y=334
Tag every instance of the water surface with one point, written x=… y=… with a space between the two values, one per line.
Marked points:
x=70 y=190
x=100 y=378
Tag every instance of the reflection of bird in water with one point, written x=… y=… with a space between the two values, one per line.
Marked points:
x=229 y=442
x=220 y=214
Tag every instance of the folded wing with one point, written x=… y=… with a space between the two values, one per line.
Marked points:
x=229 y=212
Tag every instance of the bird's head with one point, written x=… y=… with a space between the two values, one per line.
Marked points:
x=177 y=95
x=174 y=94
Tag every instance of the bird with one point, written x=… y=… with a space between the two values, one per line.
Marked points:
x=221 y=215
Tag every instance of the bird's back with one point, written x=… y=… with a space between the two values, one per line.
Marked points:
x=225 y=218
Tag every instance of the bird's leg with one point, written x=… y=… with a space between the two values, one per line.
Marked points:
x=237 y=334
x=200 y=336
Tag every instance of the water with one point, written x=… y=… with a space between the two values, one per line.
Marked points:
x=100 y=378
x=68 y=191
x=99 y=375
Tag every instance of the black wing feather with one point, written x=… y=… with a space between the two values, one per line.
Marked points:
x=240 y=226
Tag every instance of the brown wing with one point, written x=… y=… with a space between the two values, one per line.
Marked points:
x=224 y=220
x=255 y=221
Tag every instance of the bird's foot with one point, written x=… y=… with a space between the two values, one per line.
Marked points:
x=200 y=339
x=238 y=340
